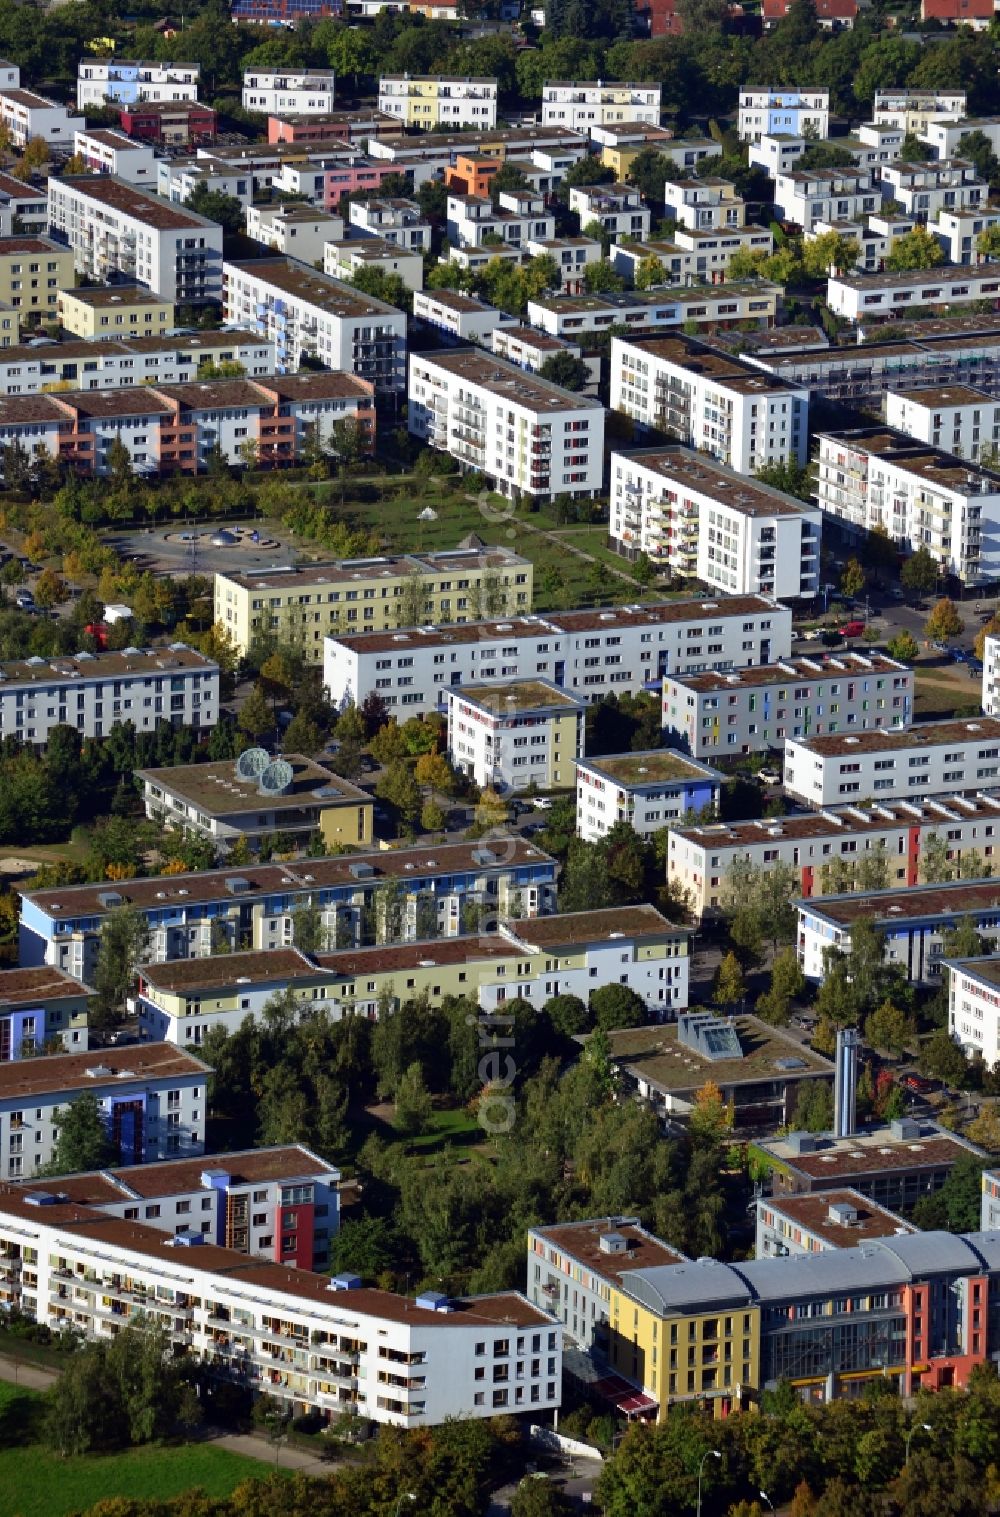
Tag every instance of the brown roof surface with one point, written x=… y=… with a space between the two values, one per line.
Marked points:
x=581 y=1240
x=143 y=205
x=871 y=1153
x=709 y=364
x=86 y=666
x=275 y=879
x=843 y=821
x=11 y=246
x=313 y=287
x=230 y=970
x=954 y=898
x=41 y=983
x=116 y=295
x=705 y=476
x=812 y=1212
x=987 y=969
x=403 y=956
x=70 y=1071
x=18 y=191
x=519 y=695
x=518 y=386
x=946 y=395
x=655 y=1054
x=983 y=729
x=808 y=669
x=173 y=1177
x=576 y=928
x=348 y=570
x=217 y=790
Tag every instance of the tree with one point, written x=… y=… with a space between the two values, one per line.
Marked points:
x=787 y=982
x=984 y=1129
x=413 y=1102
x=568 y=1015
x=903 y=647
x=387 y=746
x=853 y=579
x=829 y=252
x=988 y=242
x=256 y=718
x=710 y=1116
x=919 y=572
x=224 y=209
x=614 y=1006
x=432 y=818
x=536 y=1496
x=918 y=249
x=434 y=771
x=888 y=1029
x=121 y=947
x=649 y=272
x=813 y=1106
x=935 y=865
x=730 y=986
x=398 y=786
x=82 y=1139
x=944 y=622
x=302 y=735
x=601 y=277
x=50 y=589
x=943 y=1059
x=566 y=370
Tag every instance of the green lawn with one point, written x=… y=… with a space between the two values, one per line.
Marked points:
x=36 y=1482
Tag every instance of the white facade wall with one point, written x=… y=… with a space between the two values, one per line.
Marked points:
x=579 y=107
x=944 y=133
x=343 y=259
x=799 y=112
x=471 y=219
x=967 y=428
x=26 y=116
x=647 y=805
x=991 y=676
x=110 y=152
x=857 y=297
x=616 y=208
x=924 y=189
x=662 y=982
x=805 y=197
x=919 y=763
x=296 y=236
x=279 y=92
x=990 y=1217
x=99 y=80
x=703 y=206
x=776 y=153
x=398 y=221
x=958 y=233
x=438 y=103
x=467 y=319
x=974 y=1007
x=117 y=362
x=511 y=750
x=576 y=316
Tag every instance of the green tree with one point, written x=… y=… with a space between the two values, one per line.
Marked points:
x=888 y=1029
x=614 y=1006
x=853 y=579
x=813 y=1106
x=309 y=932
x=730 y=986
x=256 y=719
x=935 y=865
x=432 y=818
x=536 y=1496
x=568 y=1015
x=82 y=1141
x=918 y=249
x=787 y=982
x=398 y=786
x=903 y=647
x=226 y=210
x=829 y=251
x=919 y=572
x=413 y=1103
x=943 y=1059
x=943 y=622
x=566 y=370
x=601 y=278
x=121 y=947
x=649 y=272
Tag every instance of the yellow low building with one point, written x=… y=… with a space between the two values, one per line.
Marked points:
x=10 y=327
x=115 y=311
x=33 y=271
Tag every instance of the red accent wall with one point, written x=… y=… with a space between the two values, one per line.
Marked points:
x=807 y=879
x=913 y=856
x=305 y=1228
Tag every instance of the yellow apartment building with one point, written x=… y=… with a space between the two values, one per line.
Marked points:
x=33 y=271
x=115 y=311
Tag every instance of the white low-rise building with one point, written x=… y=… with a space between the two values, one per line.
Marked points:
x=129 y=81
x=572 y=255
x=118 y=228
x=920 y=496
x=958 y=232
x=910 y=109
x=520 y=217
x=106 y=151
x=757 y=710
x=115 y=362
x=346 y=257
x=580 y=316
x=573 y=1268
x=593 y=653
x=974 y=1005
x=808 y=195
x=935 y=758
x=438 y=102
x=817 y=1224
x=394 y=219
x=960 y=420
x=516 y=735
x=296 y=92
x=706 y=205
x=153 y=1101
x=776 y=152
x=579 y=106
x=42 y=1008
x=694 y=257
x=94 y=691
x=616 y=208
x=860 y=297
x=307 y=313
x=524 y=433
x=524 y=346
x=649 y=791
x=29 y=116
x=991 y=676
x=688 y=152
x=799 y=112
x=297 y=231
x=990 y=1217
x=698 y=518
x=462 y=317
x=924 y=189
x=720 y=405
x=944 y=133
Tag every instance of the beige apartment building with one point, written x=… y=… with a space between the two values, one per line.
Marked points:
x=33 y=270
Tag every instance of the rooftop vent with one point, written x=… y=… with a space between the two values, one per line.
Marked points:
x=345 y=1282
x=109 y=899
x=613 y=1243
x=842 y=1213
x=801 y=1142
x=360 y=871
x=237 y=884
x=187 y=1240
x=904 y=1128
x=434 y=1301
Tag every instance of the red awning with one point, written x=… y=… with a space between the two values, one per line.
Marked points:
x=624 y=1397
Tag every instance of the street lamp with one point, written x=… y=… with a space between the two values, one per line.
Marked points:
x=768 y=1500
x=708 y=1454
x=406 y=1496
x=918 y=1427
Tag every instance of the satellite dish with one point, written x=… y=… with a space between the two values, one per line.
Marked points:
x=276 y=778
x=251 y=763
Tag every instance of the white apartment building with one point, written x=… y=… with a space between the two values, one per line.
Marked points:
x=757 y=710
x=875 y=241
x=10 y=75
x=521 y=216
x=180 y=1001
x=910 y=109
x=27 y=115
x=280 y=92
x=25 y=203
x=924 y=189
x=695 y=256
x=818 y=1223
x=958 y=232
x=313 y=1342
x=991 y=676
x=960 y=420
x=462 y=317
x=271 y=1203
x=706 y=205
x=394 y=220
x=882 y=143
x=616 y=208
x=913 y=922
x=125 y=81
x=593 y=653
x=797 y=112
x=522 y=432
x=115 y=362
x=720 y=405
x=806 y=196
x=974 y=1005
x=307 y=313
x=574 y=1266
x=438 y=103
x=525 y=347
x=688 y=152
x=516 y=734
x=776 y=153
x=343 y=258
x=94 y=691
x=649 y=791
x=152 y=1099
x=935 y=758
x=700 y=858
x=572 y=255
x=118 y=228
x=944 y=133
x=859 y=297
x=875 y=476
x=590 y=103
x=297 y=231
x=577 y=316
x=699 y=518
x=990 y=1216
x=106 y=151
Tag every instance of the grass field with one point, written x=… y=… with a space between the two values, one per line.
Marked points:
x=37 y=1482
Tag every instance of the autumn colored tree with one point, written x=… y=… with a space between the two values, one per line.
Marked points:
x=944 y=622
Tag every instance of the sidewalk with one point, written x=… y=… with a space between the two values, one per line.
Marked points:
x=23 y=1372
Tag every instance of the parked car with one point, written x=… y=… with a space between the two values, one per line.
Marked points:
x=24 y=600
x=542 y=803
x=811 y=634
x=958 y=655
x=852 y=629
x=895 y=592
x=769 y=776
x=975 y=667
x=940 y=647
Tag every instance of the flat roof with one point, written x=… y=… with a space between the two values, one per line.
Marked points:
x=508 y=381
x=75 y=349
x=229 y=970
x=432 y=953
x=751 y=677
x=655 y=766
x=19 y=191
x=90 y=666
x=110 y=136
x=986 y=969
x=578 y=928
x=917 y=902
x=927 y=735
x=258 y=880
x=812 y=1212
x=96 y=1069
x=312 y=286
x=945 y=395
x=217 y=790
x=351 y=570
x=115 y=295
x=530 y=337
x=581 y=1241
x=871 y=1151
x=172 y=1177
x=454 y=300
x=140 y=205
x=708 y=363
x=518 y=695
x=657 y=1057
x=944 y=273
x=706 y=476
x=10 y=247
x=42 y=982
x=911 y=456
x=842 y=821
